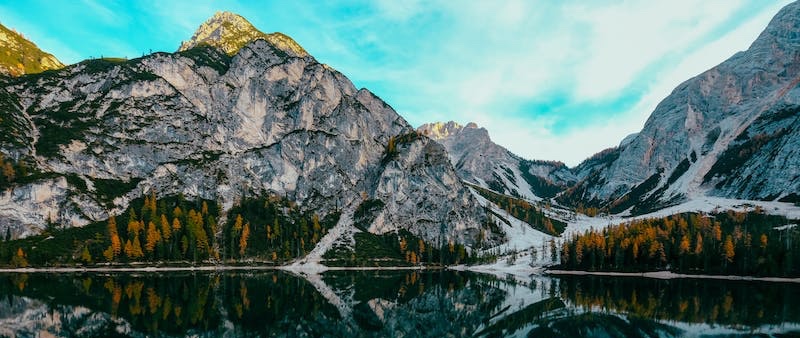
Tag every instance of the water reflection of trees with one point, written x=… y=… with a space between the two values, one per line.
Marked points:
x=270 y=303
x=686 y=300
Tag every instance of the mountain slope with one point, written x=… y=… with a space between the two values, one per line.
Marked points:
x=19 y=56
x=729 y=132
x=266 y=120
x=480 y=161
x=230 y=32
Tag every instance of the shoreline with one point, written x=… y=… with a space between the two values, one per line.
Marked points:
x=669 y=275
x=206 y=268
x=317 y=269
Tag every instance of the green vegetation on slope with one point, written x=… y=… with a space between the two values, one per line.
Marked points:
x=274 y=229
x=396 y=249
x=152 y=229
x=18 y=56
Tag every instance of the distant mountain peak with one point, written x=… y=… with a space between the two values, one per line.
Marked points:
x=230 y=32
x=442 y=130
x=19 y=56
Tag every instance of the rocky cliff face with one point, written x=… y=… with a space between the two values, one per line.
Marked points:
x=19 y=56
x=269 y=119
x=731 y=131
x=480 y=161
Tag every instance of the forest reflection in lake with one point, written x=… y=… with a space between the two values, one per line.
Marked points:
x=406 y=303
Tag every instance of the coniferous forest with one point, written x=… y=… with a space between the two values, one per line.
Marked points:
x=173 y=230
x=736 y=243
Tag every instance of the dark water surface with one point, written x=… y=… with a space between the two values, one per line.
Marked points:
x=388 y=304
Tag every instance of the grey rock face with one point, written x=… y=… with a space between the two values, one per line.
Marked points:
x=201 y=123
x=480 y=161
x=731 y=132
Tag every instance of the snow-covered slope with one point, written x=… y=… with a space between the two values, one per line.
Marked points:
x=480 y=161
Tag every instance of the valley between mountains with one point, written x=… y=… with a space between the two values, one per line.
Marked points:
x=241 y=148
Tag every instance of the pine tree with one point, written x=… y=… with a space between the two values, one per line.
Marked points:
x=698 y=244
x=243 y=239
x=19 y=260
x=236 y=233
x=86 y=257
x=8 y=172
x=166 y=230
x=390 y=148
x=113 y=235
x=153 y=237
x=728 y=249
x=136 y=246
x=129 y=249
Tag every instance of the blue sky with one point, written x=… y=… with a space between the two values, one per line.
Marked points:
x=555 y=80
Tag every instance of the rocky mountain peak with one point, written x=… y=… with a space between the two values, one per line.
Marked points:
x=19 y=56
x=443 y=130
x=478 y=160
x=728 y=132
x=230 y=32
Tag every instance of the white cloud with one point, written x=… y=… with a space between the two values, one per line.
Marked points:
x=489 y=68
x=532 y=138
x=628 y=37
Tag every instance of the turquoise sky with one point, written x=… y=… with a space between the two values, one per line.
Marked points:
x=555 y=80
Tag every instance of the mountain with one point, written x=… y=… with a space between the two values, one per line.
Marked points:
x=731 y=132
x=480 y=161
x=223 y=119
x=19 y=56
x=230 y=32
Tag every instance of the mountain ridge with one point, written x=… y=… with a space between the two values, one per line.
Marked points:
x=480 y=161
x=201 y=123
x=19 y=56
x=230 y=32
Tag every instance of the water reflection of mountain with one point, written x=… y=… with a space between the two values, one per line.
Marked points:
x=386 y=304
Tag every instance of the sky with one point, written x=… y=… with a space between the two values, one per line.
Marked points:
x=550 y=80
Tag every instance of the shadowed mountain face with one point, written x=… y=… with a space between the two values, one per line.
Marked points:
x=220 y=120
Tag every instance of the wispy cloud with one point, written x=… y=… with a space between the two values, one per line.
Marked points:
x=550 y=80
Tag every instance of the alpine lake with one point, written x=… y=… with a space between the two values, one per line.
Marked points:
x=388 y=303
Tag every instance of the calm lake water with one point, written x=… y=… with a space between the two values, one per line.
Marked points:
x=388 y=304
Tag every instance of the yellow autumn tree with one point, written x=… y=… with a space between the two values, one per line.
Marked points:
x=698 y=244
x=152 y=238
x=8 y=172
x=128 y=249
x=243 y=239
x=728 y=249
x=166 y=231
x=684 y=246
x=115 y=248
x=19 y=260
x=137 y=247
